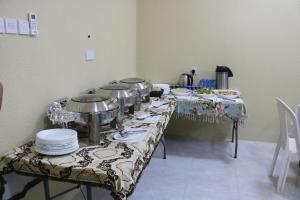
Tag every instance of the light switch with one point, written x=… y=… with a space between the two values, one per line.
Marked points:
x=2 y=30
x=11 y=26
x=90 y=55
x=23 y=26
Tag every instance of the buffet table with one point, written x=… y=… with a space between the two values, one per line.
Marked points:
x=112 y=164
x=213 y=110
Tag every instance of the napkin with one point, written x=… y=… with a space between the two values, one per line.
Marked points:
x=131 y=135
x=148 y=118
x=159 y=104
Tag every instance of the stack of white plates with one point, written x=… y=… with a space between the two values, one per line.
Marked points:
x=56 y=141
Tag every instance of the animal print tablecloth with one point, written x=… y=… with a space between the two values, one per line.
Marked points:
x=113 y=164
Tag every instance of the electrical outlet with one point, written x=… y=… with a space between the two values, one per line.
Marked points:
x=195 y=68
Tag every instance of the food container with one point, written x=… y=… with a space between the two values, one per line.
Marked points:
x=143 y=88
x=95 y=111
x=125 y=95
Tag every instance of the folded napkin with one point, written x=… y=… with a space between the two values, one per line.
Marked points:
x=159 y=104
x=135 y=130
x=131 y=135
x=148 y=118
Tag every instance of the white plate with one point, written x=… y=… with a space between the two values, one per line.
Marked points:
x=56 y=136
x=205 y=96
x=181 y=91
x=55 y=148
x=62 y=145
x=238 y=94
x=57 y=153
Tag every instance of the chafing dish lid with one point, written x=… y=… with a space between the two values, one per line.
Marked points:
x=132 y=80
x=91 y=103
x=118 y=90
x=141 y=85
x=89 y=98
x=116 y=86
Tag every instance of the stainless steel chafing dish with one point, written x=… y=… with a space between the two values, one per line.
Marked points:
x=143 y=88
x=95 y=111
x=124 y=93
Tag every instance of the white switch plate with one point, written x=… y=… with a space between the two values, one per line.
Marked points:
x=23 y=26
x=90 y=55
x=2 y=30
x=11 y=26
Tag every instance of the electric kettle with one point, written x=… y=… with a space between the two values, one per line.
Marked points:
x=186 y=79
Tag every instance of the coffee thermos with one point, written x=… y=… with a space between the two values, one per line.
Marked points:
x=222 y=75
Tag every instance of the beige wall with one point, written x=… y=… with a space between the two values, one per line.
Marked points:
x=35 y=71
x=258 y=39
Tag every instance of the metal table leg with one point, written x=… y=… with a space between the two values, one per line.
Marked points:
x=233 y=130
x=236 y=138
x=2 y=186
x=46 y=189
x=89 y=192
x=163 y=141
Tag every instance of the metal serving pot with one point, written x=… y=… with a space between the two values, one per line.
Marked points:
x=96 y=111
x=142 y=86
x=124 y=93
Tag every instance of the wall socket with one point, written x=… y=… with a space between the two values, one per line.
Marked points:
x=196 y=68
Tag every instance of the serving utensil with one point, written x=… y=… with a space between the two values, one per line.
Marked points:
x=145 y=117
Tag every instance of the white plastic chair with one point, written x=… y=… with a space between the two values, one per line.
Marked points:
x=298 y=115
x=289 y=142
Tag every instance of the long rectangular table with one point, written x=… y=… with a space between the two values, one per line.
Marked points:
x=112 y=164
x=212 y=110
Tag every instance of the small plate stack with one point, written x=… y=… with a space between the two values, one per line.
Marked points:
x=56 y=142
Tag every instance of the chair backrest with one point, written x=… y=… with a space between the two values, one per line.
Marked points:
x=1 y=94
x=298 y=115
x=288 y=125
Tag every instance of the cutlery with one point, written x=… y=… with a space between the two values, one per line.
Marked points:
x=127 y=133
x=152 y=115
x=160 y=105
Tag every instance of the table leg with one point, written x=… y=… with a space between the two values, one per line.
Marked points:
x=46 y=189
x=2 y=186
x=233 y=130
x=89 y=192
x=163 y=141
x=236 y=138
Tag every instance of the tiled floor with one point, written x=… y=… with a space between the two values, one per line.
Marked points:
x=206 y=171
